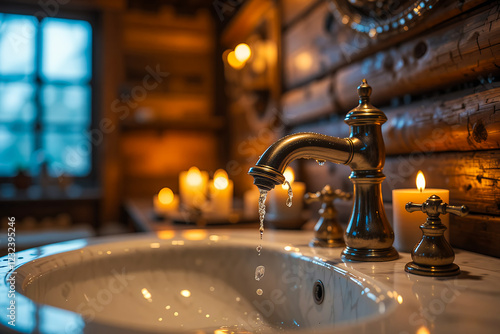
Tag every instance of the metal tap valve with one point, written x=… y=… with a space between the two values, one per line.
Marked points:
x=433 y=255
x=328 y=232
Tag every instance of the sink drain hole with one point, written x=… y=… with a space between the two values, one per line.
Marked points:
x=318 y=292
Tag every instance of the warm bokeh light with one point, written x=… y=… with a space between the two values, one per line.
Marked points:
x=423 y=330
x=194 y=177
x=400 y=299
x=420 y=181
x=165 y=234
x=242 y=52
x=166 y=196
x=233 y=61
x=185 y=293
x=303 y=61
x=221 y=179
x=289 y=176
x=146 y=294
x=194 y=234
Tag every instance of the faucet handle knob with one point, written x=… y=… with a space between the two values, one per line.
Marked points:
x=364 y=90
x=434 y=206
x=326 y=195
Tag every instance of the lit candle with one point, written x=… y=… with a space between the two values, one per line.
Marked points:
x=221 y=194
x=278 y=211
x=165 y=202
x=193 y=188
x=406 y=225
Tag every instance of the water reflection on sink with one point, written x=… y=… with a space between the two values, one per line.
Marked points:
x=197 y=282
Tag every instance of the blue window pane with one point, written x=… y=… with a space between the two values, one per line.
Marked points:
x=67 y=50
x=15 y=151
x=66 y=104
x=67 y=153
x=17 y=102
x=17 y=44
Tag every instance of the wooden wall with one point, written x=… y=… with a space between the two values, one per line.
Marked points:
x=438 y=83
x=173 y=125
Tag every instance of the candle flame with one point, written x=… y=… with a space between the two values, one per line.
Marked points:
x=220 y=179
x=420 y=181
x=194 y=176
x=289 y=176
x=166 y=196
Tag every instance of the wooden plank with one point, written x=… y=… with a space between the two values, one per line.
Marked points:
x=476 y=233
x=243 y=24
x=343 y=46
x=188 y=73
x=293 y=9
x=463 y=121
x=471 y=177
x=141 y=39
x=168 y=19
x=311 y=101
x=148 y=154
x=309 y=50
x=466 y=50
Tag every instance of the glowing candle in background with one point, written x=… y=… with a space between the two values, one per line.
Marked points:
x=193 y=187
x=221 y=194
x=278 y=211
x=165 y=202
x=406 y=225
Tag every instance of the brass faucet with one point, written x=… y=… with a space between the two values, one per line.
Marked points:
x=368 y=236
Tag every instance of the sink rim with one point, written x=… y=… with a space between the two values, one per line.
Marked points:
x=43 y=254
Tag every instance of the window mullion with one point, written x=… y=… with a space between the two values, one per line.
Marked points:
x=38 y=131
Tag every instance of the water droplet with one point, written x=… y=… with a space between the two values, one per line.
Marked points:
x=321 y=162
x=259 y=292
x=259 y=272
x=259 y=248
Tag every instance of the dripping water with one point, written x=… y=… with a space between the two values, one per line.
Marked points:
x=290 y=193
x=262 y=214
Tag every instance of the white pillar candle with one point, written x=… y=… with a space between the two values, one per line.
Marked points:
x=165 y=202
x=405 y=224
x=277 y=208
x=193 y=188
x=221 y=194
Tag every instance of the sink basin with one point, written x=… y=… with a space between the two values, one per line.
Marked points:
x=195 y=281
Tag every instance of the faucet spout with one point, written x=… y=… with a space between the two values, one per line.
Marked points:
x=368 y=236
x=268 y=171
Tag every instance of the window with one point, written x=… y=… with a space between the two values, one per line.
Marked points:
x=45 y=95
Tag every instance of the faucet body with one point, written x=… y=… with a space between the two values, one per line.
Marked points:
x=368 y=236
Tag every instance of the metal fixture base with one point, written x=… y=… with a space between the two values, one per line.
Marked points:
x=369 y=255
x=330 y=243
x=436 y=271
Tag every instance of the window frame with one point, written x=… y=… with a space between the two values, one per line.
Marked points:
x=94 y=19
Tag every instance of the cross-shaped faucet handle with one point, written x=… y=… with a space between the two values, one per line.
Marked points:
x=434 y=206
x=326 y=195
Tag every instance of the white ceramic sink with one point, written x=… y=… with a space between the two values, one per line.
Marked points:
x=197 y=281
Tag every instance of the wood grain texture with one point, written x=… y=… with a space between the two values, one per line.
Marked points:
x=468 y=49
x=336 y=46
x=473 y=178
x=463 y=121
x=309 y=102
x=476 y=233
